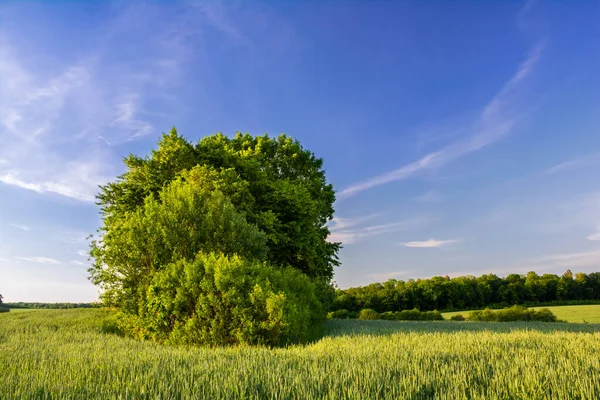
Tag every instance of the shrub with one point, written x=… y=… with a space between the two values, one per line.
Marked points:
x=3 y=309
x=341 y=314
x=434 y=315
x=545 y=315
x=412 y=315
x=409 y=315
x=367 y=314
x=219 y=300
x=457 y=317
x=515 y=313
x=388 y=315
x=485 y=315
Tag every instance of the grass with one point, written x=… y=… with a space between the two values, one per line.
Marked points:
x=70 y=354
x=585 y=313
x=20 y=310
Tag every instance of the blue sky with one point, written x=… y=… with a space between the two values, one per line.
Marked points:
x=462 y=137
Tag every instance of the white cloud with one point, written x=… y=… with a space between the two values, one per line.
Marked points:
x=389 y=275
x=56 y=120
x=429 y=243
x=71 y=237
x=82 y=253
x=584 y=161
x=39 y=260
x=495 y=121
x=76 y=262
x=10 y=178
x=350 y=234
x=566 y=260
x=595 y=236
x=21 y=227
x=339 y=223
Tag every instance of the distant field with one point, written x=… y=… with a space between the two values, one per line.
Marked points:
x=19 y=310
x=72 y=354
x=586 y=313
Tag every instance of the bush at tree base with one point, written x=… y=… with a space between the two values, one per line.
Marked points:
x=218 y=300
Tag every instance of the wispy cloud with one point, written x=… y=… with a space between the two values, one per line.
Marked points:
x=595 y=236
x=82 y=253
x=21 y=227
x=581 y=162
x=91 y=100
x=39 y=260
x=432 y=196
x=339 y=223
x=76 y=262
x=389 y=275
x=495 y=121
x=429 y=243
x=10 y=178
x=565 y=260
x=350 y=233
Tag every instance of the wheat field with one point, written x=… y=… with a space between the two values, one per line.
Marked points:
x=74 y=354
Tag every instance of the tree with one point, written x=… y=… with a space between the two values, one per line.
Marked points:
x=286 y=194
x=259 y=203
x=188 y=217
x=1 y=299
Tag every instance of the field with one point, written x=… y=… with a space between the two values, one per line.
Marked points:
x=73 y=354
x=586 y=313
x=20 y=310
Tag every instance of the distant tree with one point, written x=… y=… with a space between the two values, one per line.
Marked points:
x=1 y=299
x=467 y=292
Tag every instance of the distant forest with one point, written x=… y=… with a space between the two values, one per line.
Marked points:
x=51 y=305
x=469 y=292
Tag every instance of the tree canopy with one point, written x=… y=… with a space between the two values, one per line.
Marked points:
x=277 y=184
x=256 y=206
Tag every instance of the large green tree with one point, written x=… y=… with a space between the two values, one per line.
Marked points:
x=279 y=186
x=217 y=243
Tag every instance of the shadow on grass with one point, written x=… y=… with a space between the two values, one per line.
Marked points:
x=349 y=327
x=111 y=327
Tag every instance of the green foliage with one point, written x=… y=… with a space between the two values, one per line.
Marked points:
x=219 y=300
x=367 y=314
x=277 y=184
x=515 y=313
x=412 y=315
x=457 y=317
x=354 y=360
x=197 y=242
x=388 y=315
x=341 y=314
x=186 y=219
x=405 y=315
x=4 y=309
x=472 y=293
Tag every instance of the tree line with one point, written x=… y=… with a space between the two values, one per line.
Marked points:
x=469 y=292
x=22 y=304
